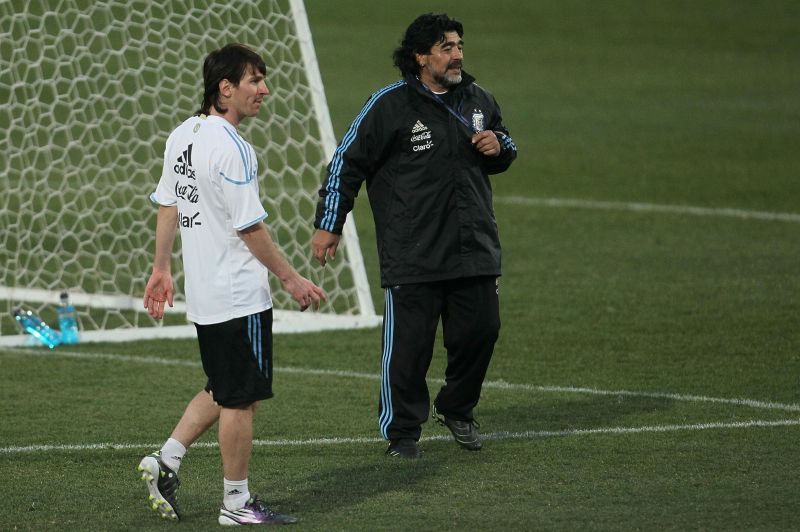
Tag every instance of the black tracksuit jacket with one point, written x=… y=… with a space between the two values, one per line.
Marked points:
x=428 y=187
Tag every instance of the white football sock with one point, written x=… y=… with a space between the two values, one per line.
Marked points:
x=236 y=494
x=172 y=454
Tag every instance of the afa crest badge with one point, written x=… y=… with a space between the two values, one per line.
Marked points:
x=477 y=120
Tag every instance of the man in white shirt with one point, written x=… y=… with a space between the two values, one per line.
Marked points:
x=209 y=189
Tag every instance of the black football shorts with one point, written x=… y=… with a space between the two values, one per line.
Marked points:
x=237 y=359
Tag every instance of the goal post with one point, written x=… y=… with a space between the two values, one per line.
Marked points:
x=320 y=106
x=93 y=90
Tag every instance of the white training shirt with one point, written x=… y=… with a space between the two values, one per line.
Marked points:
x=210 y=174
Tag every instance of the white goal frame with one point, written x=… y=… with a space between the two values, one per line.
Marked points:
x=285 y=321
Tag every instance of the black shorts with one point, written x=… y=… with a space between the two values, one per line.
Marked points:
x=237 y=358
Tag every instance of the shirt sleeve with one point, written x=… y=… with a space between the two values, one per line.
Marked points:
x=508 y=150
x=237 y=173
x=165 y=190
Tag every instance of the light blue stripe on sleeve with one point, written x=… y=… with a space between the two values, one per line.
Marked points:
x=245 y=153
x=155 y=200
x=332 y=200
x=252 y=223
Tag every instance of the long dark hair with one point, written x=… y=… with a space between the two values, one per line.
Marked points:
x=229 y=62
x=420 y=36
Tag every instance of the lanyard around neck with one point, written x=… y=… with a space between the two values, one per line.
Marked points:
x=449 y=108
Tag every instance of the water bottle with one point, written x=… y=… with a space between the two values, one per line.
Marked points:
x=36 y=327
x=67 y=321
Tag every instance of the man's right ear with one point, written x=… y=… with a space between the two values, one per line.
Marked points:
x=225 y=87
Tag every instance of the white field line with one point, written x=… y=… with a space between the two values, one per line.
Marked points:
x=492 y=384
x=649 y=207
x=503 y=435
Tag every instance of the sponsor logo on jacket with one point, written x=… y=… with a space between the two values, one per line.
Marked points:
x=420 y=137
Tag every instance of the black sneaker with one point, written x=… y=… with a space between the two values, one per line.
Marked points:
x=404 y=448
x=464 y=432
x=162 y=483
x=255 y=512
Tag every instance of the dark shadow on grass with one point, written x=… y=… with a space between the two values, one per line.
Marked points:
x=585 y=412
x=350 y=479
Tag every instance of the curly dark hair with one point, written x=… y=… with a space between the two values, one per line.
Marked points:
x=420 y=36
x=229 y=62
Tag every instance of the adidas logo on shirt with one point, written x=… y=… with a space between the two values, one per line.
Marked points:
x=184 y=164
x=419 y=127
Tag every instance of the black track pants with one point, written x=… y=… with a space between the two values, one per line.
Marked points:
x=470 y=315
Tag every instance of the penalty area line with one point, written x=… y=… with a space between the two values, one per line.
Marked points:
x=489 y=436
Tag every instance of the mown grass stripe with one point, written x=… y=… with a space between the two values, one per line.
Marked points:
x=648 y=207
x=492 y=384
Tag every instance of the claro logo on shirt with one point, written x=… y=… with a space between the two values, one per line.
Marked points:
x=187 y=221
x=421 y=137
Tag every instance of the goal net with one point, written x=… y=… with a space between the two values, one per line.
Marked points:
x=91 y=89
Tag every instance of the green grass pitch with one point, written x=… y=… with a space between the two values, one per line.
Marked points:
x=648 y=371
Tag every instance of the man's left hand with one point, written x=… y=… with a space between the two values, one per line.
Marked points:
x=486 y=143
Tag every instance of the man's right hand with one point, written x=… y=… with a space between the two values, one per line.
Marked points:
x=323 y=245
x=158 y=292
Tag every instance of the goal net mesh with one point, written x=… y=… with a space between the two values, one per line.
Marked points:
x=91 y=90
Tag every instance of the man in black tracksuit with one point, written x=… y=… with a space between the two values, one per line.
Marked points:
x=425 y=146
